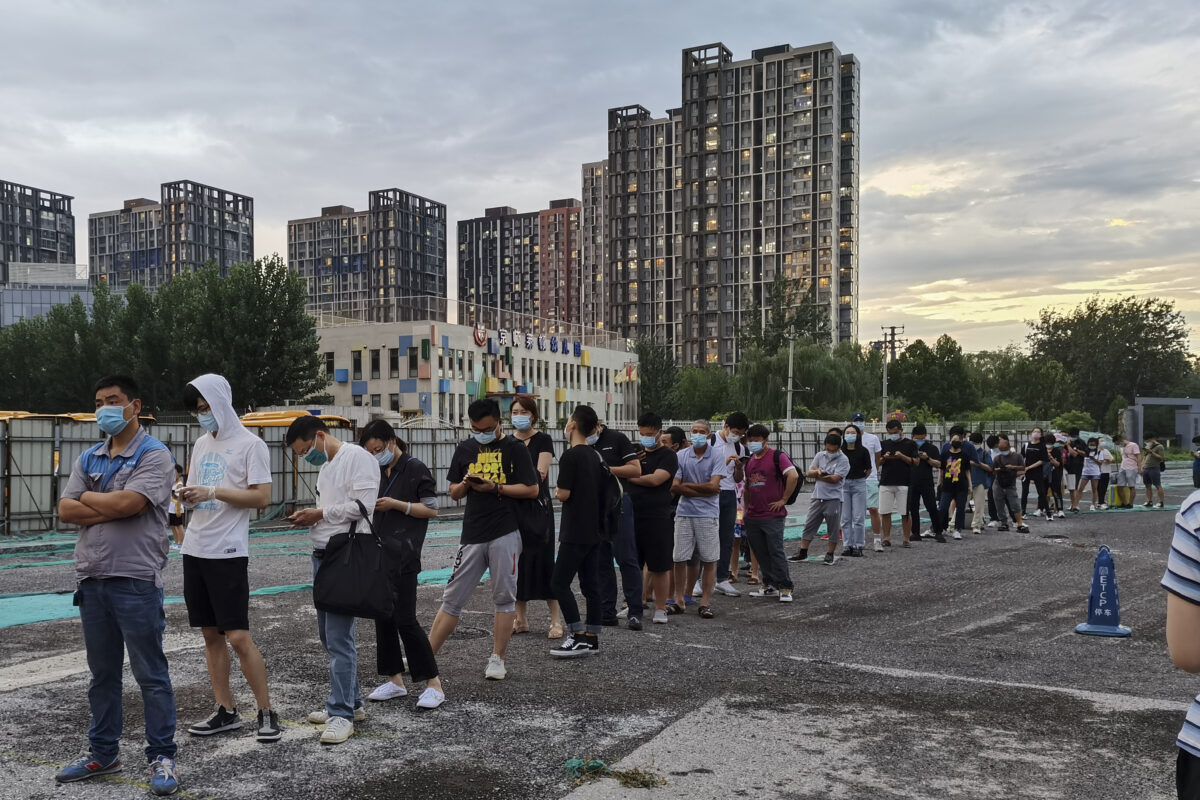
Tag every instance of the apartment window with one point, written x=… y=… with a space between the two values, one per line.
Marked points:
x=356 y=368
x=329 y=366
x=375 y=401
x=357 y=400
x=394 y=402
x=412 y=362
x=375 y=365
x=394 y=362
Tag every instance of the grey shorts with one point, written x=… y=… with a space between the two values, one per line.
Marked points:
x=1127 y=477
x=702 y=534
x=499 y=559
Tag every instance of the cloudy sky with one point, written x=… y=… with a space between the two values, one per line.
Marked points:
x=1014 y=155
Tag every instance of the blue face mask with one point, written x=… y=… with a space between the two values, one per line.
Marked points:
x=895 y=437
x=699 y=440
x=522 y=422
x=649 y=442
x=851 y=438
x=485 y=438
x=755 y=447
x=207 y=421
x=111 y=419
x=385 y=457
x=316 y=457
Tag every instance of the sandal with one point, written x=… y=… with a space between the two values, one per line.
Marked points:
x=733 y=578
x=673 y=609
x=706 y=612
x=753 y=581
x=556 y=631
x=519 y=627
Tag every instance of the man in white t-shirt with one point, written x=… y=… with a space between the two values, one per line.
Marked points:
x=870 y=443
x=230 y=474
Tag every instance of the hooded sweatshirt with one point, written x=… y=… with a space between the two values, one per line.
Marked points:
x=231 y=458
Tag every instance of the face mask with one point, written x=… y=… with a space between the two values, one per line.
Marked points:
x=649 y=442
x=851 y=438
x=591 y=440
x=316 y=457
x=755 y=447
x=1035 y=437
x=207 y=421
x=895 y=437
x=699 y=440
x=522 y=421
x=485 y=438
x=111 y=419
x=733 y=438
x=385 y=457
x=918 y=441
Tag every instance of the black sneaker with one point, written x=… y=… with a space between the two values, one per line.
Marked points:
x=887 y=542
x=577 y=645
x=847 y=552
x=797 y=558
x=219 y=722
x=830 y=559
x=268 y=726
x=611 y=622
x=937 y=537
x=1004 y=528
x=1022 y=529
x=635 y=623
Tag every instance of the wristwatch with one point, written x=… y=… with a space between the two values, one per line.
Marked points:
x=498 y=490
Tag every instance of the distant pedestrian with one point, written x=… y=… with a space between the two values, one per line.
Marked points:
x=1037 y=456
x=117 y=494
x=653 y=529
x=955 y=485
x=1058 y=469
x=1108 y=470
x=771 y=477
x=1008 y=466
x=622 y=459
x=897 y=456
x=697 y=525
x=981 y=482
x=1153 y=459
x=924 y=487
x=727 y=443
x=855 y=491
x=1196 y=461
x=1089 y=477
x=1130 y=471
x=175 y=517
x=873 y=446
x=828 y=469
x=1077 y=451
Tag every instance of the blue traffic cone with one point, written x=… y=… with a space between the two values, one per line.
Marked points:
x=1104 y=605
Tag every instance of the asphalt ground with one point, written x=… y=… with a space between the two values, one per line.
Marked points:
x=942 y=671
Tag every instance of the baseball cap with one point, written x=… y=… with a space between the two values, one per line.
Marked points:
x=858 y=417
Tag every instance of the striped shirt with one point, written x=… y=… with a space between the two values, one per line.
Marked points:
x=1182 y=579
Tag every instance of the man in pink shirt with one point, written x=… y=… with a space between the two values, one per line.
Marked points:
x=1127 y=476
x=770 y=480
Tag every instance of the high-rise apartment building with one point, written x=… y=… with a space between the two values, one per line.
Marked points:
x=385 y=264
x=593 y=239
x=148 y=242
x=644 y=183
x=558 y=272
x=765 y=159
x=498 y=262
x=36 y=226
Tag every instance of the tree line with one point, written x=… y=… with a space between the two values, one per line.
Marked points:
x=1079 y=366
x=249 y=325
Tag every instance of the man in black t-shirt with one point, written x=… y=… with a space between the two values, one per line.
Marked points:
x=1076 y=450
x=490 y=470
x=581 y=491
x=622 y=459
x=651 y=498
x=922 y=487
x=896 y=457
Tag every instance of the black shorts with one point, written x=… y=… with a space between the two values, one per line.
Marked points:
x=217 y=592
x=655 y=542
x=175 y=520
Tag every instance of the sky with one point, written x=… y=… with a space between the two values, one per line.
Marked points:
x=1015 y=155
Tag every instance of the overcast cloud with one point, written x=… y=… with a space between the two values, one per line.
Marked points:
x=1014 y=155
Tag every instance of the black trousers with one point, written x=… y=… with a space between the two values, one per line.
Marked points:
x=1187 y=776
x=924 y=492
x=582 y=560
x=403 y=626
x=1105 y=478
x=1038 y=479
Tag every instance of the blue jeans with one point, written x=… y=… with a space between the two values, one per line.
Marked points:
x=622 y=548
x=119 y=614
x=337 y=637
x=854 y=512
x=728 y=521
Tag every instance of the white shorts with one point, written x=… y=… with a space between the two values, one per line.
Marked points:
x=1072 y=481
x=694 y=534
x=893 y=499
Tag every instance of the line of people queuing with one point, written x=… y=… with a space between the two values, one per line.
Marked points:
x=675 y=510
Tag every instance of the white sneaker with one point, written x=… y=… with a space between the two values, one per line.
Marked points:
x=976 y=531
x=1092 y=507
x=726 y=588
x=878 y=546
x=958 y=534
x=993 y=524
x=660 y=618
x=1158 y=505
x=387 y=691
x=337 y=730
x=431 y=698
x=495 y=669
x=1103 y=507
x=322 y=717
x=785 y=596
x=697 y=590
x=623 y=613
x=1061 y=515
x=766 y=591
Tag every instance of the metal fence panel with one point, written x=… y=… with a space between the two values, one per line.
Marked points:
x=3 y=477
x=31 y=445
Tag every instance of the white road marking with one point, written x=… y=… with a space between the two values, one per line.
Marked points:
x=55 y=668
x=1104 y=701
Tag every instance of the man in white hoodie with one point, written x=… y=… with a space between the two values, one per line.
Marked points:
x=230 y=474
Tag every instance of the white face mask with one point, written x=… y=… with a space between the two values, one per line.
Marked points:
x=733 y=438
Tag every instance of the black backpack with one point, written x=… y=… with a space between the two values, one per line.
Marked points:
x=612 y=493
x=779 y=474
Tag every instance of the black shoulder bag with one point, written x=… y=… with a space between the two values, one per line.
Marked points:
x=535 y=516
x=353 y=577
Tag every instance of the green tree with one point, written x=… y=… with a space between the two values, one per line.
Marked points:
x=657 y=376
x=1130 y=346
x=700 y=391
x=760 y=386
x=1003 y=410
x=783 y=314
x=936 y=377
x=1074 y=419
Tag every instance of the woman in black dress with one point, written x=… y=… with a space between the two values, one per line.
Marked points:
x=536 y=566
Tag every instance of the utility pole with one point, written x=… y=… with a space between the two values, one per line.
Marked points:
x=888 y=346
x=791 y=348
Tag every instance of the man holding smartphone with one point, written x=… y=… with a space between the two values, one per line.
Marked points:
x=490 y=470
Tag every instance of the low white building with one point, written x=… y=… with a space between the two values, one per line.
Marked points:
x=436 y=369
